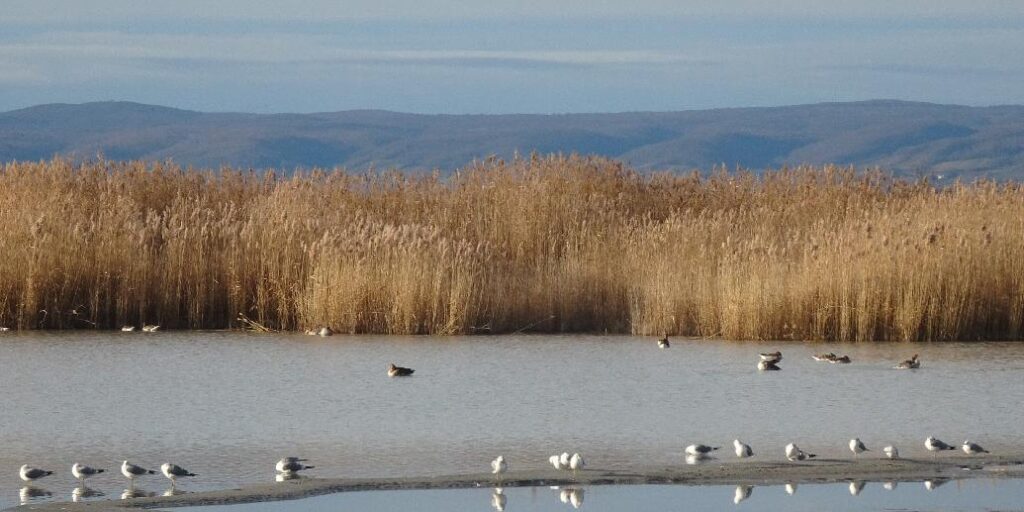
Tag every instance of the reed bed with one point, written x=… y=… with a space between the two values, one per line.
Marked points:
x=553 y=244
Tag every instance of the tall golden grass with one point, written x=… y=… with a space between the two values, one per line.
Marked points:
x=550 y=243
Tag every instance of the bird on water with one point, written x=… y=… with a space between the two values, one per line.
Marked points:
x=398 y=371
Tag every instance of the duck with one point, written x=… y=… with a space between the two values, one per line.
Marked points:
x=398 y=371
x=663 y=342
x=840 y=360
x=772 y=356
x=824 y=357
x=910 y=364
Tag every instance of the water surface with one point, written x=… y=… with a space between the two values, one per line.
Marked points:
x=228 y=405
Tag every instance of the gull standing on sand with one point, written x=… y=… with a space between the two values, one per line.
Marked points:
x=700 y=449
x=794 y=453
x=973 y=448
x=174 y=471
x=81 y=472
x=934 y=445
x=291 y=465
x=559 y=462
x=891 y=452
x=857 y=447
x=498 y=465
x=29 y=474
x=576 y=463
x=131 y=471
x=742 y=450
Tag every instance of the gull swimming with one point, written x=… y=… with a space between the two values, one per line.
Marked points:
x=743 y=450
x=857 y=447
x=663 y=342
x=127 y=328
x=934 y=445
x=81 y=472
x=794 y=453
x=909 y=364
x=742 y=492
x=973 y=448
x=398 y=371
x=700 y=449
x=29 y=474
x=174 y=471
x=891 y=452
x=291 y=465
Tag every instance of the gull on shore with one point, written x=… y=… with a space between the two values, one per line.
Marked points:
x=498 y=466
x=891 y=452
x=131 y=471
x=29 y=474
x=174 y=471
x=291 y=465
x=972 y=448
x=794 y=453
x=81 y=472
x=576 y=462
x=857 y=447
x=559 y=461
x=934 y=445
x=743 y=450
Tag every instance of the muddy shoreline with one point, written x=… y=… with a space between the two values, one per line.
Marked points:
x=709 y=473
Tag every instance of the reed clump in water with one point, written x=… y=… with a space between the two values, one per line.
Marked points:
x=556 y=243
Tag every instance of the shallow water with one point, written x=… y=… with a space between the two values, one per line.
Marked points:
x=964 y=496
x=227 y=405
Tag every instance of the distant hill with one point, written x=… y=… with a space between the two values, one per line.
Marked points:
x=905 y=137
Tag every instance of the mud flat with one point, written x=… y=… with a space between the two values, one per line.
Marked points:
x=712 y=472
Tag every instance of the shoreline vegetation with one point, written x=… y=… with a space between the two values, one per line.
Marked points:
x=733 y=473
x=544 y=243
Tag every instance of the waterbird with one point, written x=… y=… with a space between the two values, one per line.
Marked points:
x=700 y=449
x=576 y=462
x=563 y=460
x=127 y=328
x=934 y=445
x=81 y=492
x=794 y=453
x=398 y=371
x=972 y=448
x=772 y=356
x=81 y=471
x=693 y=460
x=663 y=342
x=325 y=331
x=743 y=450
x=174 y=471
x=932 y=484
x=310 y=332
x=29 y=474
x=768 y=365
x=555 y=461
x=889 y=486
x=891 y=452
x=150 y=328
x=4 y=329
x=498 y=466
x=131 y=471
x=824 y=357
x=790 y=489
x=29 y=492
x=291 y=465
x=576 y=497
x=856 y=487
x=132 y=492
x=840 y=360
x=498 y=499
x=742 y=492
x=909 y=364
x=857 y=446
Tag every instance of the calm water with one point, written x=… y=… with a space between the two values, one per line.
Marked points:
x=227 y=405
x=968 y=495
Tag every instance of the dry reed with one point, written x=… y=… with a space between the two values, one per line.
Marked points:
x=555 y=243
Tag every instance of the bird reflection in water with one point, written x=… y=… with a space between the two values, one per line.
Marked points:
x=132 y=492
x=284 y=477
x=889 y=486
x=856 y=487
x=934 y=483
x=82 y=492
x=498 y=499
x=742 y=493
x=790 y=489
x=31 y=493
x=572 y=496
x=694 y=459
x=173 y=491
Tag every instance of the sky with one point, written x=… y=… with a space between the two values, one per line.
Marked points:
x=504 y=56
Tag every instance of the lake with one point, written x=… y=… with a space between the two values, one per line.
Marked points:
x=227 y=405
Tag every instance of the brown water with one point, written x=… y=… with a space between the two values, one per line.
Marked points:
x=228 y=405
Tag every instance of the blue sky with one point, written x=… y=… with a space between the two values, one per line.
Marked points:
x=464 y=56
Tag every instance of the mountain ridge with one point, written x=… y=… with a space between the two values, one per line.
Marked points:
x=905 y=137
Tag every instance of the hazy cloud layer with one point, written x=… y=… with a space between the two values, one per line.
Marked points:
x=508 y=56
